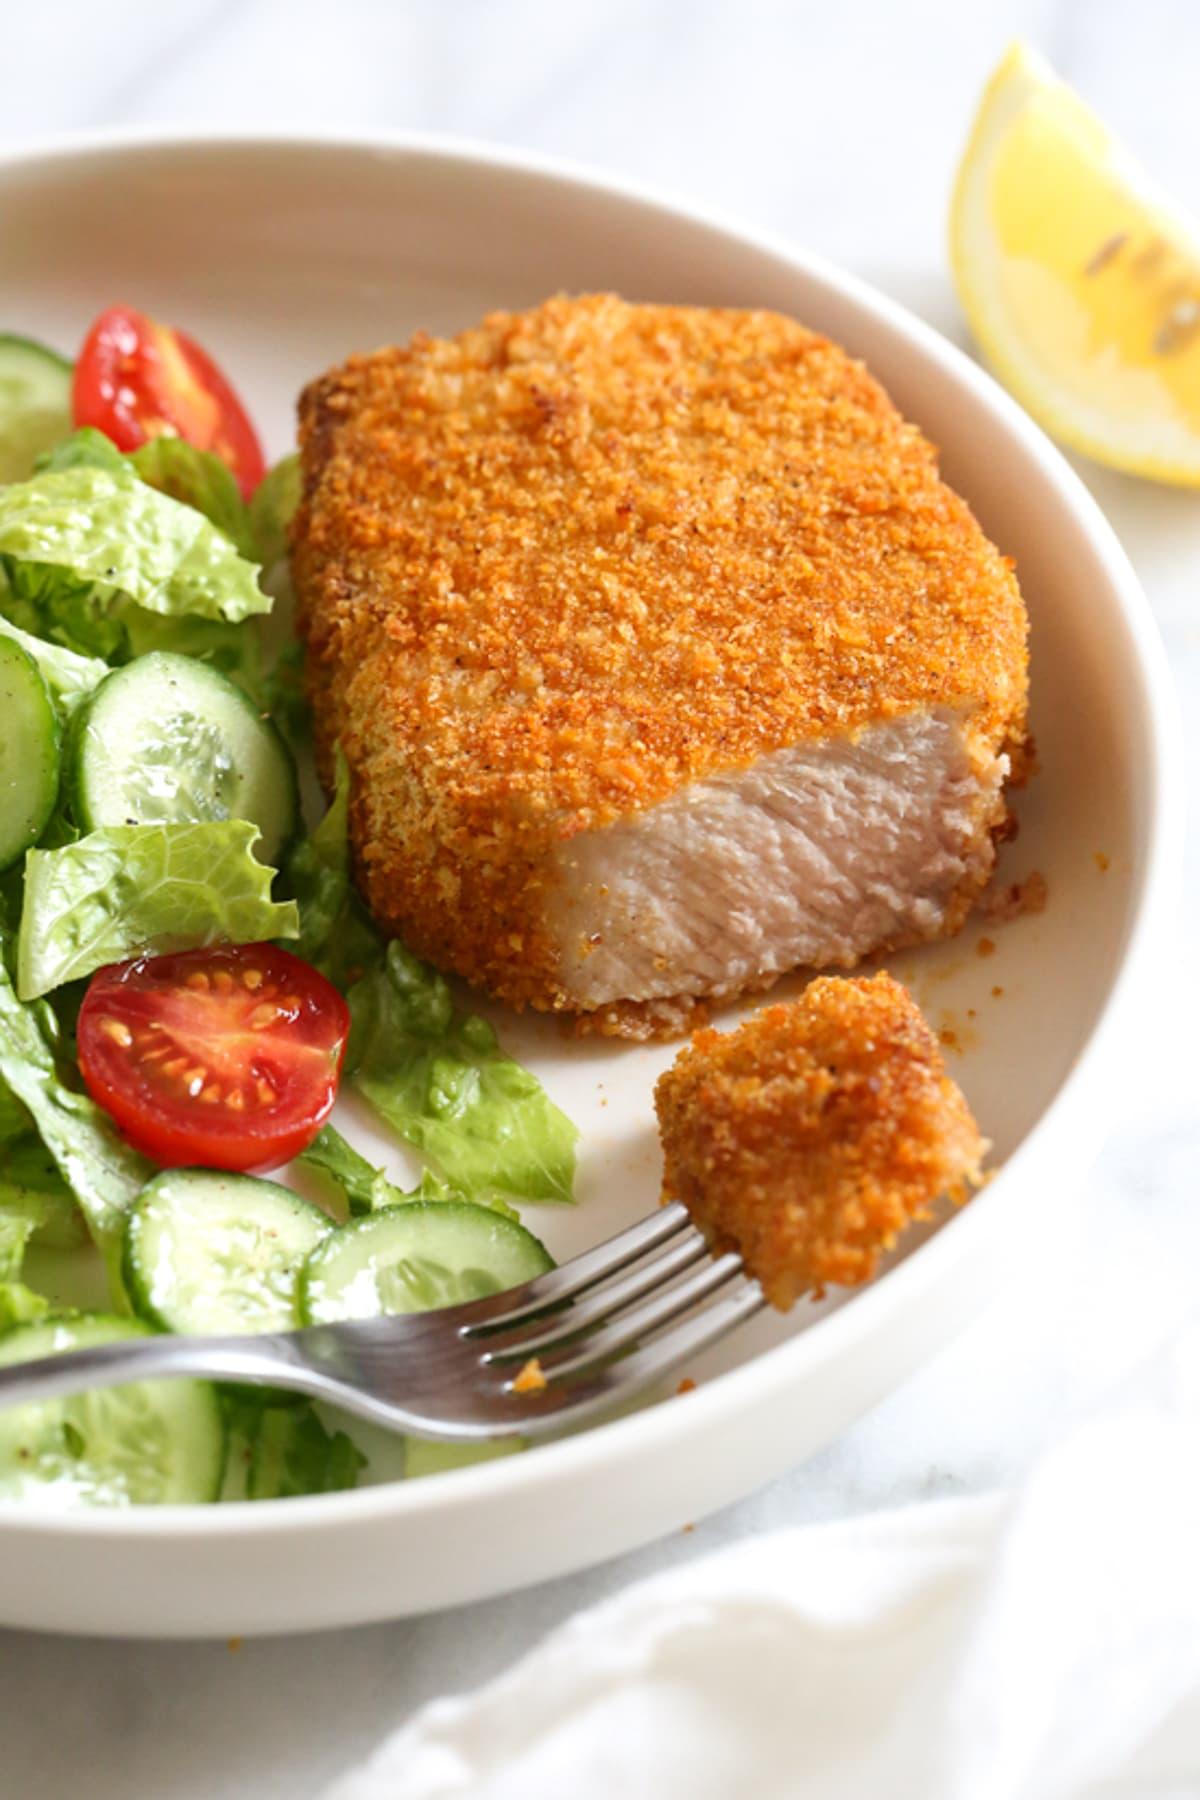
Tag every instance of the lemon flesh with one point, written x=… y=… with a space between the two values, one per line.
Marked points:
x=1081 y=283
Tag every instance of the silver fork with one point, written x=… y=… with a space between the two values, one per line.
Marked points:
x=602 y=1328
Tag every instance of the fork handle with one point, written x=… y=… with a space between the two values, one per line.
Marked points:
x=258 y=1360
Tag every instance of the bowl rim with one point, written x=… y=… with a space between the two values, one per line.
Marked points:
x=771 y=1372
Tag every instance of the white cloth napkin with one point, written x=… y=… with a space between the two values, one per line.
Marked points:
x=1039 y=1646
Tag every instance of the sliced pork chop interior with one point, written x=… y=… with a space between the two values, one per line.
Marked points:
x=812 y=858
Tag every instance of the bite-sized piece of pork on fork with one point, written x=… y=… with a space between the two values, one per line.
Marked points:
x=813 y=1135
x=663 y=660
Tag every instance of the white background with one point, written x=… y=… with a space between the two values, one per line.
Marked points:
x=837 y=124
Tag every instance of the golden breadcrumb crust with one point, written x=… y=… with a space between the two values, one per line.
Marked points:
x=555 y=567
x=810 y=1137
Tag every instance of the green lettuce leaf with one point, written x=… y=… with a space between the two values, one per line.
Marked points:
x=139 y=888
x=367 y=1188
x=283 y=1451
x=23 y=1212
x=69 y=677
x=364 y=1186
x=18 y=1222
x=284 y=696
x=272 y=505
x=80 y=544
x=197 y=478
x=440 y=1079
x=336 y=935
x=20 y=1305
x=32 y=1188
x=14 y=1118
x=202 y=480
x=97 y=1165
x=234 y=649
x=86 y=448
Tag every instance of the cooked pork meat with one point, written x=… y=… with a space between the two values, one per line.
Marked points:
x=662 y=659
x=811 y=1136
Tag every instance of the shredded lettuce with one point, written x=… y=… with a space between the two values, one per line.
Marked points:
x=135 y=888
x=81 y=544
x=98 y=1166
x=440 y=1079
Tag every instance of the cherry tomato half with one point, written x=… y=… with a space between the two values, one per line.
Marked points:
x=227 y=1058
x=136 y=379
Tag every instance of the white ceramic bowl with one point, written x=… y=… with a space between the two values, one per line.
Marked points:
x=282 y=256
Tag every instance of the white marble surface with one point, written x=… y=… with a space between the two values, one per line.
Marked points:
x=837 y=126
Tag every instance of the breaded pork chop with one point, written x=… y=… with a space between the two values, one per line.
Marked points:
x=663 y=660
x=810 y=1137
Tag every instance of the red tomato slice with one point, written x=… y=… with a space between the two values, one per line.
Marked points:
x=137 y=379
x=227 y=1058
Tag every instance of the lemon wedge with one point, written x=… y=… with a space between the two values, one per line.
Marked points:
x=1081 y=283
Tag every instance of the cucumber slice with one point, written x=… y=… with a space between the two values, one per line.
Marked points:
x=152 y=1442
x=208 y=1252
x=35 y=403
x=29 y=760
x=169 y=740
x=412 y=1258
x=424 y=1457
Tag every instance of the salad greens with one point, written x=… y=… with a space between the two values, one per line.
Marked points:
x=272 y=508
x=143 y=887
x=98 y=1166
x=81 y=544
x=440 y=1079
x=366 y=1188
x=335 y=934
x=280 y=1452
x=32 y=1187
x=104 y=558
x=199 y=479
x=19 y=1304
x=69 y=676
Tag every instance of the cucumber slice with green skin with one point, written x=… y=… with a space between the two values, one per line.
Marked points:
x=152 y=1442
x=169 y=740
x=29 y=752
x=423 y=1457
x=412 y=1258
x=35 y=403
x=211 y=1253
